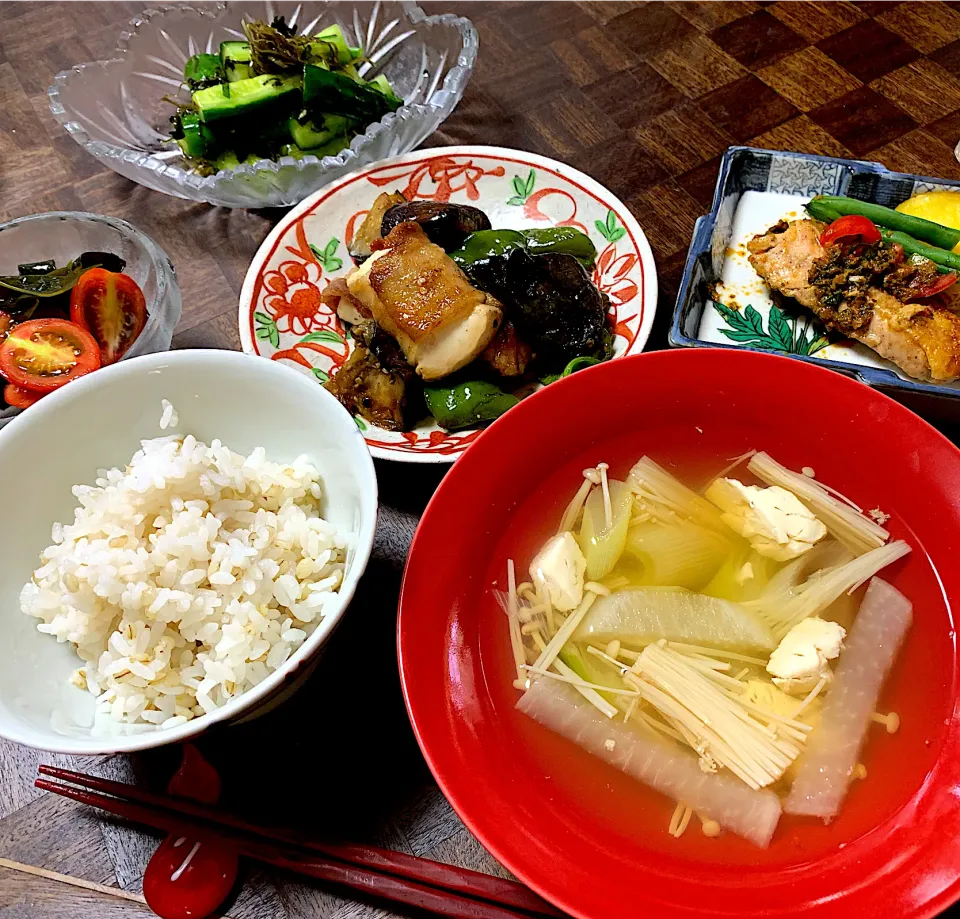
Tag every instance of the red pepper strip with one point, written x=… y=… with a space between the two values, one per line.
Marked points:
x=851 y=228
x=938 y=286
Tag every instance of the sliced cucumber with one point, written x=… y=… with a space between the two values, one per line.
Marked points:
x=236 y=71
x=332 y=148
x=246 y=97
x=331 y=38
x=382 y=84
x=310 y=134
x=197 y=139
x=235 y=58
x=203 y=70
x=229 y=160
x=226 y=160
x=292 y=150
x=238 y=51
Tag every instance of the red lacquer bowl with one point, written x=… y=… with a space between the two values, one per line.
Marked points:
x=583 y=835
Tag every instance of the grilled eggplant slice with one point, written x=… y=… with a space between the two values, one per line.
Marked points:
x=375 y=381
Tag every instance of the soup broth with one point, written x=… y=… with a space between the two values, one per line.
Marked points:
x=633 y=815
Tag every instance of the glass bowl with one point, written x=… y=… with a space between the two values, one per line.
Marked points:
x=116 y=111
x=63 y=235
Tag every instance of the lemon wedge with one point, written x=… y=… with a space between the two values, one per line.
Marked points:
x=939 y=206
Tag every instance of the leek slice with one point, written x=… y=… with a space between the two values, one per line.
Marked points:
x=783 y=610
x=744 y=575
x=682 y=555
x=601 y=539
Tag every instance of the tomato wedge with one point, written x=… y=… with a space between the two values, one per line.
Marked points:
x=937 y=287
x=19 y=397
x=110 y=306
x=851 y=228
x=43 y=354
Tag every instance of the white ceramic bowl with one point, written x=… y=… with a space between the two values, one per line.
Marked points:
x=98 y=421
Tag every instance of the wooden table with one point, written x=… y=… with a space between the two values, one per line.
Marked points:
x=645 y=97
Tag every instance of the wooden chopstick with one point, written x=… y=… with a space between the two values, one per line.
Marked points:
x=363 y=880
x=444 y=889
x=460 y=880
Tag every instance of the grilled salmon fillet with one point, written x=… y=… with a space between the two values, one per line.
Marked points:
x=418 y=294
x=922 y=339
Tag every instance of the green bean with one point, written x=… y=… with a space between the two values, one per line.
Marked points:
x=925 y=230
x=913 y=246
x=820 y=211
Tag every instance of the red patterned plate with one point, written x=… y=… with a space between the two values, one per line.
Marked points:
x=584 y=835
x=281 y=316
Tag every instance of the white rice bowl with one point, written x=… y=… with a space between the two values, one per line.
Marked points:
x=186 y=579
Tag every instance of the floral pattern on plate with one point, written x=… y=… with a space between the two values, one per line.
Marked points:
x=281 y=314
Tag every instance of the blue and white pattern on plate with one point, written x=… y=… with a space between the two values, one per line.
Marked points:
x=802 y=177
x=717 y=255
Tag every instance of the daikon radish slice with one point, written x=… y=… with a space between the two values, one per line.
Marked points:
x=826 y=767
x=658 y=763
x=642 y=615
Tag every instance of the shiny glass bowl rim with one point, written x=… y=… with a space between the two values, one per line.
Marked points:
x=453 y=85
x=166 y=276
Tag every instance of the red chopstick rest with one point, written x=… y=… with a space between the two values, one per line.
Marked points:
x=188 y=878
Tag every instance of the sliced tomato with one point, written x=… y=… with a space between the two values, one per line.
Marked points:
x=937 y=287
x=111 y=306
x=19 y=397
x=849 y=229
x=42 y=354
x=6 y=324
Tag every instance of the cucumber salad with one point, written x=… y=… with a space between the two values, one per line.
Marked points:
x=276 y=94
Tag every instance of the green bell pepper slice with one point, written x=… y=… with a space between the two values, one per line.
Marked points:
x=468 y=403
x=485 y=245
